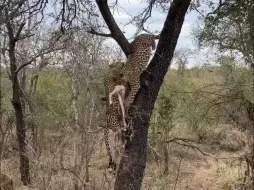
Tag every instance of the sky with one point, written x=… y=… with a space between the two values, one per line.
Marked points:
x=156 y=22
x=125 y=11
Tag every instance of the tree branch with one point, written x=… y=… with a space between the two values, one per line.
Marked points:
x=10 y=31
x=24 y=37
x=24 y=65
x=113 y=27
x=92 y=31
x=147 y=13
x=19 y=31
x=221 y=4
x=179 y=139
x=196 y=148
x=34 y=58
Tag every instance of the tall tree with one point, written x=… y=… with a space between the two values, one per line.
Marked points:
x=132 y=166
x=17 y=28
x=131 y=169
x=228 y=28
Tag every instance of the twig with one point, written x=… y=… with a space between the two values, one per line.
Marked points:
x=179 y=139
x=196 y=148
x=33 y=59
x=178 y=172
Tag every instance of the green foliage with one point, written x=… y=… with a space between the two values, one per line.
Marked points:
x=53 y=94
x=6 y=92
x=204 y=103
x=228 y=28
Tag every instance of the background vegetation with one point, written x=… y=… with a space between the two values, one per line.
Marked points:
x=201 y=130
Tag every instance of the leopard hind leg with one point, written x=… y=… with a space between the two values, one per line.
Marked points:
x=111 y=164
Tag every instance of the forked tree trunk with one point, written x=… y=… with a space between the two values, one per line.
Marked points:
x=132 y=165
x=16 y=102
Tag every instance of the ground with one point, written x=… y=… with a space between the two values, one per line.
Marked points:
x=188 y=168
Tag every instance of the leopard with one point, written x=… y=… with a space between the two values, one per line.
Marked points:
x=125 y=75
x=130 y=73
x=113 y=113
x=120 y=90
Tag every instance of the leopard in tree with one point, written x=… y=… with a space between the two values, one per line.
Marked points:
x=127 y=75
x=112 y=111
x=120 y=90
x=131 y=71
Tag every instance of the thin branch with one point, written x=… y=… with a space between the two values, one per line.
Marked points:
x=178 y=173
x=34 y=58
x=147 y=14
x=196 y=148
x=24 y=37
x=200 y=13
x=179 y=139
x=62 y=15
x=221 y=4
x=24 y=65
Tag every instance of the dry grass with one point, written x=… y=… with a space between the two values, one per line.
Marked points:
x=200 y=173
x=189 y=169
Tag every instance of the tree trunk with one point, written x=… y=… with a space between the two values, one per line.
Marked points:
x=132 y=166
x=16 y=102
x=75 y=94
x=21 y=132
x=31 y=124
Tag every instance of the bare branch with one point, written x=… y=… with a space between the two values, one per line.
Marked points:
x=92 y=31
x=196 y=148
x=62 y=15
x=25 y=64
x=221 y=4
x=179 y=139
x=34 y=58
x=147 y=13
x=113 y=27
x=24 y=37
x=19 y=31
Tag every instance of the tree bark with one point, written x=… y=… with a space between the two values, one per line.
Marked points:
x=16 y=102
x=75 y=94
x=132 y=165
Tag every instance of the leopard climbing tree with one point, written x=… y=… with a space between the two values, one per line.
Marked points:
x=112 y=110
x=131 y=169
x=142 y=48
x=122 y=83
